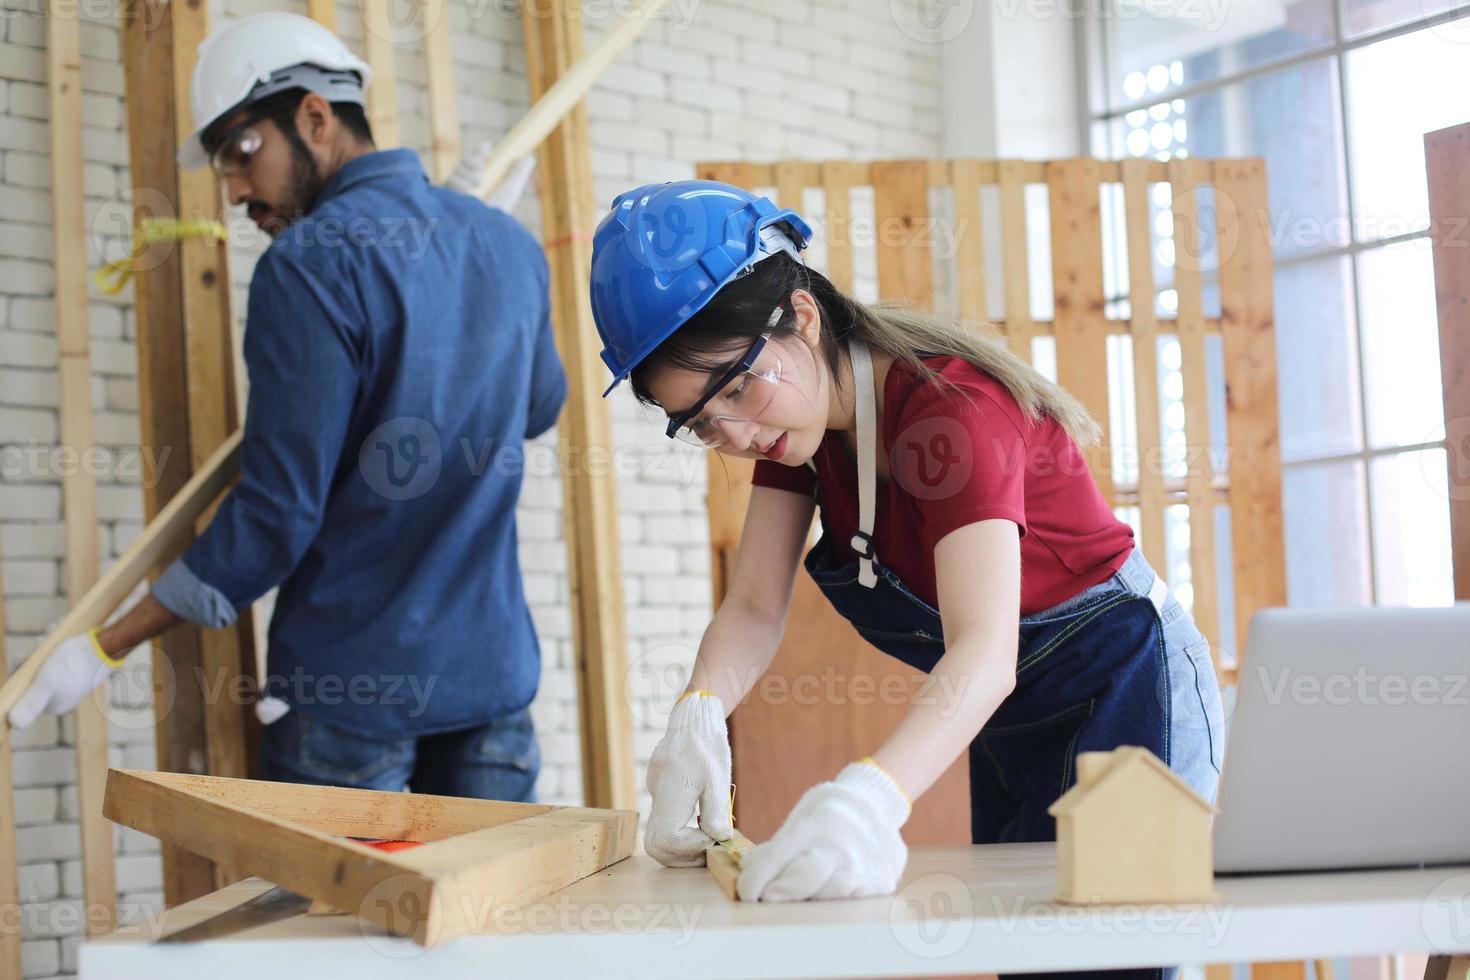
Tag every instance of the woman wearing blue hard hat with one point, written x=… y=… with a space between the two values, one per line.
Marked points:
x=962 y=533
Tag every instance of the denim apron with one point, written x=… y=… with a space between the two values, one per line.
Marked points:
x=1120 y=663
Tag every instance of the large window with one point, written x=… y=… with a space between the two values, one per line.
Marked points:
x=1336 y=96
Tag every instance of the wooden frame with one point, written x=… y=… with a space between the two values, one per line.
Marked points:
x=478 y=855
x=590 y=501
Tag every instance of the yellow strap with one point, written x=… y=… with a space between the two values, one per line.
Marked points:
x=97 y=647
x=113 y=276
x=703 y=694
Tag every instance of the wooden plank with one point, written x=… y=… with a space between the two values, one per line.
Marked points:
x=1248 y=332
x=590 y=511
x=790 y=183
x=1186 y=177
x=1290 y=970
x=163 y=410
x=1016 y=257
x=1144 y=326
x=1074 y=188
x=382 y=93
x=448 y=881
x=324 y=12
x=838 y=180
x=78 y=486
x=1447 y=165
x=723 y=861
x=230 y=726
x=443 y=112
x=566 y=91
x=901 y=209
x=969 y=259
x=344 y=812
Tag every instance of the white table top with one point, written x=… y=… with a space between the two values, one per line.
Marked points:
x=960 y=910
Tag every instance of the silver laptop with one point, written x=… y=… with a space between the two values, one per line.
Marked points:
x=1350 y=742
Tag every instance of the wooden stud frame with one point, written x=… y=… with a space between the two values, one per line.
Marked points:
x=1252 y=488
x=478 y=855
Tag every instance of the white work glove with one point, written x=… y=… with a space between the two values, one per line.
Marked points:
x=72 y=671
x=465 y=177
x=690 y=765
x=841 y=840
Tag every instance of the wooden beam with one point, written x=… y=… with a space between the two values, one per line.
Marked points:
x=567 y=87
x=443 y=111
x=590 y=507
x=230 y=727
x=723 y=861
x=382 y=93
x=1077 y=281
x=1447 y=162
x=324 y=12
x=78 y=487
x=905 y=256
x=1252 y=420
x=154 y=128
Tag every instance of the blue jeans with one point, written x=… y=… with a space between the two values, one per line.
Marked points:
x=497 y=761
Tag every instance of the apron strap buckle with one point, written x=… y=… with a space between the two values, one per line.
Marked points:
x=862 y=543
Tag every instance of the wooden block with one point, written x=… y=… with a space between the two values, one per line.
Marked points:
x=447 y=887
x=723 y=861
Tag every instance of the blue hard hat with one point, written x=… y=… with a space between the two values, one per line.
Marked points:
x=664 y=251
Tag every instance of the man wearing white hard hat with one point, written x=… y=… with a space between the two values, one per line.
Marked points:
x=399 y=350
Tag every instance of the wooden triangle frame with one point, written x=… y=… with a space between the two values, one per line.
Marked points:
x=478 y=855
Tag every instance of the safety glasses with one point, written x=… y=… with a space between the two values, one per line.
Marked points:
x=233 y=152
x=737 y=399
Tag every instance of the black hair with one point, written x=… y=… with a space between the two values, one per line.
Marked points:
x=280 y=109
x=714 y=338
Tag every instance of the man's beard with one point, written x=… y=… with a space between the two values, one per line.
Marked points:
x=306 y=183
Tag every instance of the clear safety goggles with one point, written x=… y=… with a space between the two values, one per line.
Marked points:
x=736 y=400
x=235 y=149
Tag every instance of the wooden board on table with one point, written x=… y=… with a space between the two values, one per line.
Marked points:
x=501 y=854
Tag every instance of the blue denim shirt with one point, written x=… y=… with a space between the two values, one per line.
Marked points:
x=400 y=351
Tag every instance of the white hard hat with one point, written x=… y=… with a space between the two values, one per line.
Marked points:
x=263 y=54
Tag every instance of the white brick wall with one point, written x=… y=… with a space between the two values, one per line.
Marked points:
x=715 y=79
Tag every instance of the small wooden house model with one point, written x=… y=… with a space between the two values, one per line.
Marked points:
x=1132 y=831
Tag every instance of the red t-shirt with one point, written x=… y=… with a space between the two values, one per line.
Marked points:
x=961 y=457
